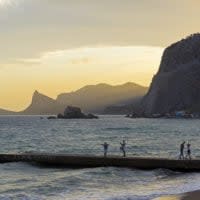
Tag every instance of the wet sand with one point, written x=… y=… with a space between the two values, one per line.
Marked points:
x=187 y=196
x=191 y=196
x=171 y=197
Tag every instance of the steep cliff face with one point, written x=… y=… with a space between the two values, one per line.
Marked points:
x=42 y=105
x=176 y=86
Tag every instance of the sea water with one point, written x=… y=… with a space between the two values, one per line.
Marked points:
x=145 y=137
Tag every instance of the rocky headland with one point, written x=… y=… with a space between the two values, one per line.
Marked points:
x=176 y=86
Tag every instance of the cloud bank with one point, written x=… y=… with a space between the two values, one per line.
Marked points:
x=99 y=55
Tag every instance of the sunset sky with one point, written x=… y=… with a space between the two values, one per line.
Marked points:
x=57 y=46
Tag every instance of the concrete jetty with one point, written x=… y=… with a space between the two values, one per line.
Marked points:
x=81 y=161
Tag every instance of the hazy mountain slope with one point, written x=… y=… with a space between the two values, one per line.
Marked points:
x=42 y=104
x=7 y=112
x=94 y=98
x=176 y=86
x=127 y=108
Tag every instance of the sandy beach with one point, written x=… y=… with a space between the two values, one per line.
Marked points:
x=191 y=196
x=187 y=196
x=171 y=197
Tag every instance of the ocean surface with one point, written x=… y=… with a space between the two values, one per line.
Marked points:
x=145 y=137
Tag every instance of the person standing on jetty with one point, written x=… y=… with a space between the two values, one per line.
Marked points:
x=188 y=151
x=105 y=147
x=123 y=148
x=182 y=146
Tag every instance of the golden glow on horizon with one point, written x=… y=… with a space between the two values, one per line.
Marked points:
x=40 y=51
x=65 y=70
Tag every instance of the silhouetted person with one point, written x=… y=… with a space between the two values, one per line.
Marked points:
x=182 y=146
x=188 y=151
x=105 y=147
x=123 y=147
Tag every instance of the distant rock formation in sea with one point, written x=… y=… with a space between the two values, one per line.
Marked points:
x=91 y=98
x=72 y=112
x=176 y=86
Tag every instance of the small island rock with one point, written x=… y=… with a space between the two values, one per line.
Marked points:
x=72 y=112
x=51 y=117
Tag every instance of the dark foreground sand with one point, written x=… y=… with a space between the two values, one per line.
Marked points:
x=187 y=196
x=191 y=196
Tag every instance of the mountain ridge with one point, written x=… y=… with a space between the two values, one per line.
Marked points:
x=91 y=98
x=94 y=98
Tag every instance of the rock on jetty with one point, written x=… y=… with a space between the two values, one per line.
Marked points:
x=72 y=112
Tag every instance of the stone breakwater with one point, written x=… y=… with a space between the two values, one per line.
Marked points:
x=79 y=161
